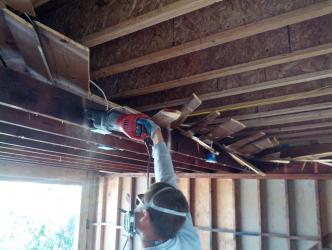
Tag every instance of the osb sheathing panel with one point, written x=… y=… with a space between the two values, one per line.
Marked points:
x=218 y=17
x=80 y=18
x=247 y=78
x=240 y=51
x=244 y=50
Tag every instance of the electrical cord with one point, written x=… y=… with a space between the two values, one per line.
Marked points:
x=146 y=142
x=125 y=244
x=102 y=92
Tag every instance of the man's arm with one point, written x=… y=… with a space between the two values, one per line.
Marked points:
x=163 y=166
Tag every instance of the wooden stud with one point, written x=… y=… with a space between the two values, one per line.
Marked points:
x=318 y=213
x=151 y=18
x=231 y=70
x=247 y=30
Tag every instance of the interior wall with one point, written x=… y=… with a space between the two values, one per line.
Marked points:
x=232 y=214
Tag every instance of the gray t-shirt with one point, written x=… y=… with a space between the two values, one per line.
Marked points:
x=187 y=237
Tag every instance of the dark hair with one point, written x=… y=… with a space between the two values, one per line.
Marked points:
x=166 y=225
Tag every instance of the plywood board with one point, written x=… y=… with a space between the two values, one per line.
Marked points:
x=225 y=212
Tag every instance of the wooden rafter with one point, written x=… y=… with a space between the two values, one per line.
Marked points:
x=251 y=29
x=287 y=81
x=231 y=70
x=268 y=101
x=289 y=118
x=151 y=18
x=277 y=112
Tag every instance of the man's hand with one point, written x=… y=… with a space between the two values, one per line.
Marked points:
x=152 y=129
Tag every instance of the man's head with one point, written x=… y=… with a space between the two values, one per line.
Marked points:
x=163 y=225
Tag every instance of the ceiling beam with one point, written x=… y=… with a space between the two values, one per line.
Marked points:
x=283 y=176
x=306 y=134
x=276 y=112
x=320 y=139
x=64 y=116
x=231 y=70
x=271 y=23
x=289 y=118
x=300 y=151
x=151 y=18
x=323 y=91
x=282 y=82
x=278 y=129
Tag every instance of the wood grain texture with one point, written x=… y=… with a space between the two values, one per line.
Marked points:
x=254 y=28
x=165 y=13
x=231 y=70
x=287 y=81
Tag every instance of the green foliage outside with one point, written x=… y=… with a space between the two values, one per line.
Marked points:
x=23 y=233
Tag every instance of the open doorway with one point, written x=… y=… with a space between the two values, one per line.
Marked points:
x=39 y=216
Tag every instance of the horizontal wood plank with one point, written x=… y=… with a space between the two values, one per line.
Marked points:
x=151 y=18
x=247 y=30
x=231 y=70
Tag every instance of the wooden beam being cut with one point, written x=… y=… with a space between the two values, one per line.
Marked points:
x=151 y=18
x=192 y=104
x=287 y=81
x=247 y=30
x=231 y=70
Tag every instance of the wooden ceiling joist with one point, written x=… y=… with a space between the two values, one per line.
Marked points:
x=306 y=134
x=240 y=143
x=290 y=110
x=65 y=110
x=247 y=30
x=325 y=91
x=300 y=151
x=289 y=118
x=231 y=70
x=318 y=139
x=151 y=18
x=298 y=128
x=282 y=82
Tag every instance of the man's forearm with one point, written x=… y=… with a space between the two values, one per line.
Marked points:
x=163 y=166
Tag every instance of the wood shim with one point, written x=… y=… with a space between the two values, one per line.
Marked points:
x=165 y=117
x=223 y=130
x=287 y=81
x=231 y=70
x=151 y=18
x=247 y=30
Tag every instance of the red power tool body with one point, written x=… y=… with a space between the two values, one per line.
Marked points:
x=128 y=125
x=106 y=122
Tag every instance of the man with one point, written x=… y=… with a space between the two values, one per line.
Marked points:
x=163 y=220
